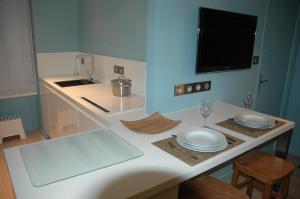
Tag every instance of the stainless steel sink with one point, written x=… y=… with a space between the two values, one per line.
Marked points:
x=77 y=82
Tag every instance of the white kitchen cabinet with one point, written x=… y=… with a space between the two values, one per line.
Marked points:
x=60 y=117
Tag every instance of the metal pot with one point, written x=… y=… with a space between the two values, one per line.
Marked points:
x=121 y=87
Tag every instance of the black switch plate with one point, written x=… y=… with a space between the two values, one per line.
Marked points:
x=119 y=69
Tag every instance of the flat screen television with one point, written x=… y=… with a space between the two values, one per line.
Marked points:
x=225 y=40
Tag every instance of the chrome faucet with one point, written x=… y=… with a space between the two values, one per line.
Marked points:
x=92 y=72
x=80 y=62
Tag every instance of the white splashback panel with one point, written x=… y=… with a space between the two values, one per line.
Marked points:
x=61 y=63
x=65 y=63
x=134 y=70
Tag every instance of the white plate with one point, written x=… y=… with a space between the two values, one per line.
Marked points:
x=202 y=137
x=249 y=124
x=193 y=148
x=254 y=120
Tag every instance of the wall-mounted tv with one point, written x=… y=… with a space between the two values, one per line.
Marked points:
x=225 y=40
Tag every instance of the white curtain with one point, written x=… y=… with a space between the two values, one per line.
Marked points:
x=17 y=71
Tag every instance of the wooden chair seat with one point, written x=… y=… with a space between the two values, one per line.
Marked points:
x=267 y=169
x=206 y=187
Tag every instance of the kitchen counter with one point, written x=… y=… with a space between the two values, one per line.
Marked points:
x=101 y=94
x=151 y=174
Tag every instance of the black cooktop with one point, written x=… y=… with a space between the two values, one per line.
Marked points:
x=77 y=82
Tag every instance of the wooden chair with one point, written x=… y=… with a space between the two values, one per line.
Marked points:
x=268 y=173
x=206 y=187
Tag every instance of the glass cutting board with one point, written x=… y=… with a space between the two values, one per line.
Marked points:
x=54 y=160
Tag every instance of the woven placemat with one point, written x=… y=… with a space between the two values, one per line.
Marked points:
x=192 y=158
x=255 y=133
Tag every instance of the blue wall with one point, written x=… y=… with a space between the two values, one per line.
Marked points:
x=55 y=25
x=171 y=54
x=114 y=28
x=293 y=109
x=106 y=27
x=26 y=107
x=167 y=30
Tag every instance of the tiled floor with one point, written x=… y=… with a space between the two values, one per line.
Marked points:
x=6 y=189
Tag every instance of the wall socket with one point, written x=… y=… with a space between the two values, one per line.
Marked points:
x=119 y=69
x=184 y=89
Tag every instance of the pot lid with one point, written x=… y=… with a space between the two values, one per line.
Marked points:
x=121 y=80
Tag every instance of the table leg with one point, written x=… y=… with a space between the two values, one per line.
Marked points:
x=283 y=143
x=171 y=193
x=282 y=149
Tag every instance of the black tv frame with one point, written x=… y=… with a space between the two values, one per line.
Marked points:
x=237 y=18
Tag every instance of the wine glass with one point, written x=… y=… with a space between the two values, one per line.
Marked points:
x=248 y=100
x=206 y=108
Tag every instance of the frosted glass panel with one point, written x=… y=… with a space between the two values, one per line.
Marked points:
x=54 y=160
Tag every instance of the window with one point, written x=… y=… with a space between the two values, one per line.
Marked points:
x=17 y=71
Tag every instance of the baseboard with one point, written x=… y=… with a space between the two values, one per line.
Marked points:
x=45 y=134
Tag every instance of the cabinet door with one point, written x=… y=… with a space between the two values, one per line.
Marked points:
x=60 y=117
x=45 y=112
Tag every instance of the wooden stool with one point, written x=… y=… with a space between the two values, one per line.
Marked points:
x=206 y=187
x=263 y=169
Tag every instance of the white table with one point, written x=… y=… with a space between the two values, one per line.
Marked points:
x=156 y=173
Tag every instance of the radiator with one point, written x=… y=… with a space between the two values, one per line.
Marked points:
x=10 y=126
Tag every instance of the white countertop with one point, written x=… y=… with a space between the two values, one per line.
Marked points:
x=149 y=174
x=101 y=94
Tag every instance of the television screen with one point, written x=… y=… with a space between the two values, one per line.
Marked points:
x=225 y=40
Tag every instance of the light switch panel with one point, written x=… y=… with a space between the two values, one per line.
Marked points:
x=119 y=69
x=184 y=89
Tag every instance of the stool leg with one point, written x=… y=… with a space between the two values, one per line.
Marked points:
x=235 y=177
x=285 y=188
x=250 y=187
x=267 y=191
x=22 y=135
